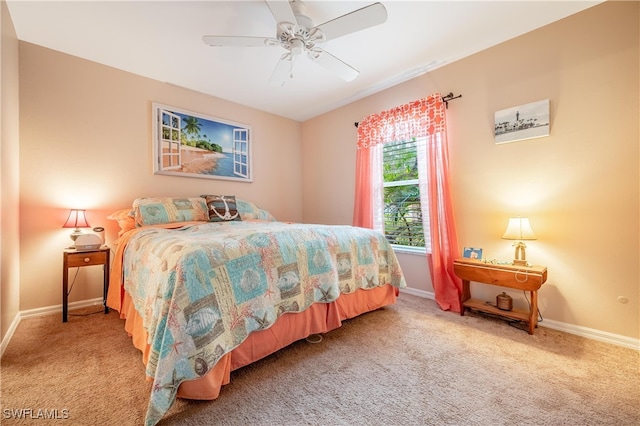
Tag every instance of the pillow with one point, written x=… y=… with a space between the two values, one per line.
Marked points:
x=125 y=220
x=222 y=208
x=161 y=210
x=249 y=211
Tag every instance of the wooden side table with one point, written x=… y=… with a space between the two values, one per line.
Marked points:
x=527 y=278
x=75 y=259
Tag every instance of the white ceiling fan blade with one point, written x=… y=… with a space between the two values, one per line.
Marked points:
x=330 y=62
x=283 y=71
x=239 y=41
x=281 y=11
x=357 y=20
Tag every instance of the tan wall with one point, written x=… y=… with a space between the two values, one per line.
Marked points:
x=579 y=187
x=85 y=140
x=9 y=174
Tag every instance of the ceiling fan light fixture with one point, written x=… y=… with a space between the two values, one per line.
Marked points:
x=297 y=46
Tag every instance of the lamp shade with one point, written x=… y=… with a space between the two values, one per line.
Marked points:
x=519 y=229
x=76 y=219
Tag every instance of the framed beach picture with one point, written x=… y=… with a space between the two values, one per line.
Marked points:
x=189 y=144
x=522 y=122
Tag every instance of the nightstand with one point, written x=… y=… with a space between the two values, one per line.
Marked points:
x=526 y=278
x=73 y=258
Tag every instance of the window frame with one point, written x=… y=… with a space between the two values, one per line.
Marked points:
x=420 y=143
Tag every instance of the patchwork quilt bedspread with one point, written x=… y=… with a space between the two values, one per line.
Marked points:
x=202 y=289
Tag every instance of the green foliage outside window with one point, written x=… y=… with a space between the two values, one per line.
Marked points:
x=402 y=212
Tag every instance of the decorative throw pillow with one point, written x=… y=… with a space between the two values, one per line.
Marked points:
x=161 y=210
x=125 y=220
x=222 y=208
x=249 y=211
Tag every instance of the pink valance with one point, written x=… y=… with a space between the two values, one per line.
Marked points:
x=413 y=120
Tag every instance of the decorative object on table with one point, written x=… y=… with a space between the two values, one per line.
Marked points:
x=504 y=302
x=88 y=242
x=522 y=122
x=77 y=219
x=519 y=229
x=189 y=144
x=472 y=253
x=99 y=231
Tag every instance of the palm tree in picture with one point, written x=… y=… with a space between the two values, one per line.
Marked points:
x=191 y=127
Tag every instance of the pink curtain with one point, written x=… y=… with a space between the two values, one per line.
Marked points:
x=421 y=118
x=363 y=208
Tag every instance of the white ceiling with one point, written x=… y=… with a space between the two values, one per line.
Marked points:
x=162 y=40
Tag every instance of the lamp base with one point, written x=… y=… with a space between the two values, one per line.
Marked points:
x=75 y=234
x=520 y=256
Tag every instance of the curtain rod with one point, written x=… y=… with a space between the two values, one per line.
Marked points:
x=449 y=97
x=446 y=98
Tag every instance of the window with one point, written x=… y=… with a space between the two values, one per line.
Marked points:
x=379 y=205
x=402 y=200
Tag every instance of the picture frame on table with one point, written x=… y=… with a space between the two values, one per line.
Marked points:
x=472 y=253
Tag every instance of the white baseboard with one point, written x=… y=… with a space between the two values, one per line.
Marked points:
x=9 y=335
x=57 y=309
x=419 y=293
x=589 y=333
x=38 y=312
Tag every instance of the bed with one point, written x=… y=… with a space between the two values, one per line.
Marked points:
x=210 y=284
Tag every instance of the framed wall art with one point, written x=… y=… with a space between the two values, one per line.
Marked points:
x=522 y=122
x=189 y=144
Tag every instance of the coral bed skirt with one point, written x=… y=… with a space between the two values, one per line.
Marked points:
x=317 y=319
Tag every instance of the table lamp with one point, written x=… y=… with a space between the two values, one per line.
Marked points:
x=519 y=229
x=77 y=220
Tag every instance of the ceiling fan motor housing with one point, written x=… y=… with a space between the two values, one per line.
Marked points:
x=298 y=39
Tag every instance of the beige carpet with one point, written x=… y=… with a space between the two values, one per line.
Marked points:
x=409 y=364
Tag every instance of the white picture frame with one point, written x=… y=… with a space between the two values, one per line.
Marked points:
x=190 y=144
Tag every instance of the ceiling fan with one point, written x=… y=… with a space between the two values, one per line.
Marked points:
x=297 y=33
